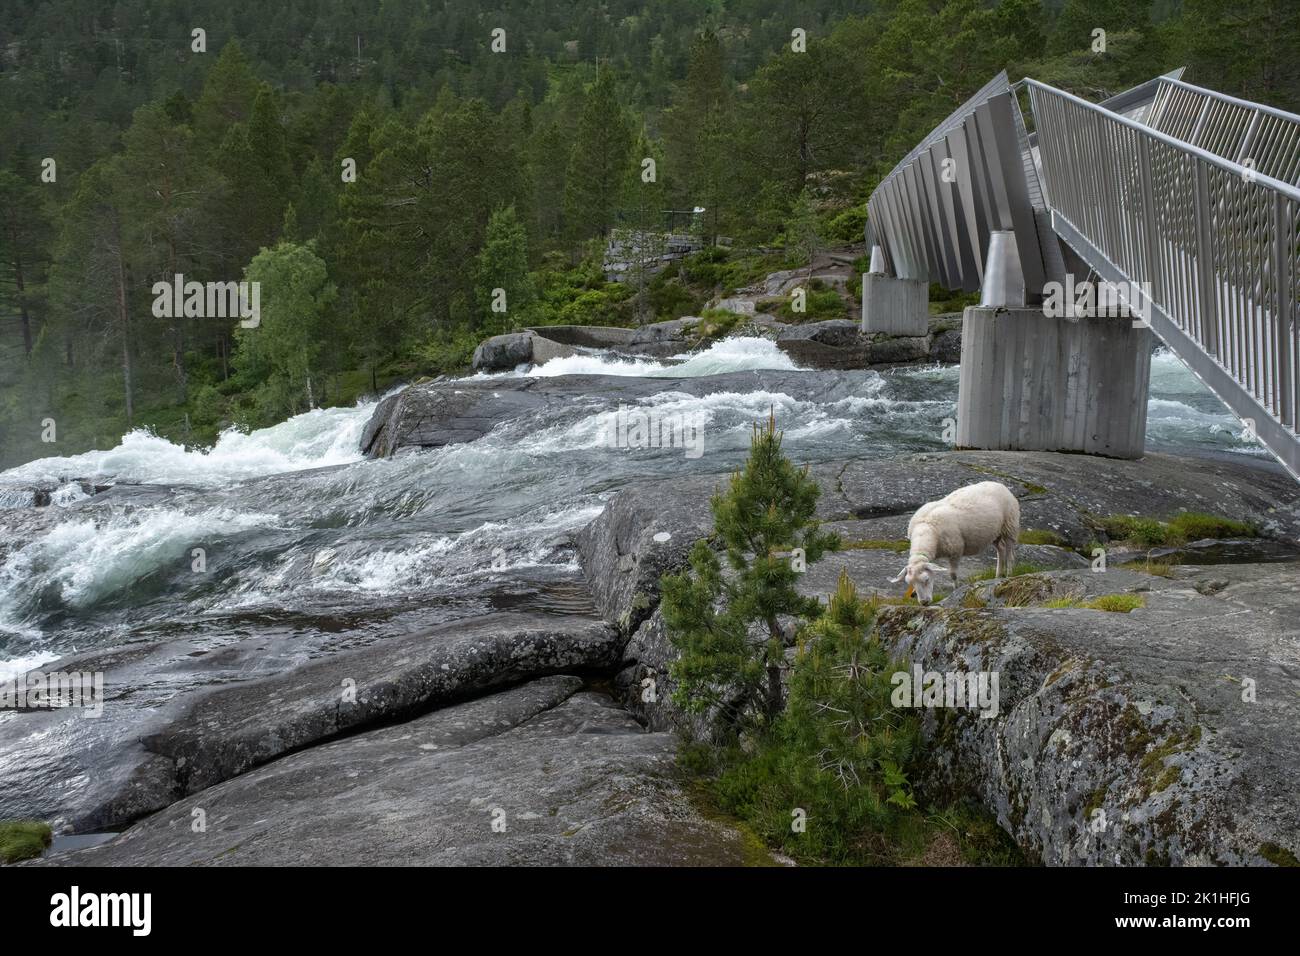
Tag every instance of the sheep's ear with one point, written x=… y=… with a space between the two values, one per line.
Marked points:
x=934 y=567
x=900 y=575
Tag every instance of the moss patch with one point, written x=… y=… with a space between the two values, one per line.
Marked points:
x=1040 y=536
x=877 y=544
x=1145 y=532
x=23 y=839
x=1278 y=855
x=1023 y=590
x=975 y=627
x=1115 y=603
x=1153 y=762
x=988 y=573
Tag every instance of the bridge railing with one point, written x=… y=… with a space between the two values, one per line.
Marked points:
x=1212 y=246
x=1251 y=134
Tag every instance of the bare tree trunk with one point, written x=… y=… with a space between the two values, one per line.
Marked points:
x=775 y=696
x=124 y=322
x=22 y=299
x=178 y=321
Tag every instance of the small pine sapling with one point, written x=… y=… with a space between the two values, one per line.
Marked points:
x=728 y=626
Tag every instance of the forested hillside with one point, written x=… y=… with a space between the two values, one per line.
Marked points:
x=381 y=168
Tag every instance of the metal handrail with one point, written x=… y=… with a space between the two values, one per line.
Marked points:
x=1262 y=179
x=1213 y=247
x=1235 y=101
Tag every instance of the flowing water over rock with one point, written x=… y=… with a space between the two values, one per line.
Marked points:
x=186 y=574
x=298 y=529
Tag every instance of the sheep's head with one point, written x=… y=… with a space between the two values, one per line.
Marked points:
x=919 y=576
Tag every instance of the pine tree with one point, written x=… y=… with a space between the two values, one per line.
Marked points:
x=161 y=188
x=25 y=238
x=728 y=626
x=227 y=97
x=802 y=232
x=699 y=133
x=643 y=238
x=503 y=264
x=841 y=713
x=598 y=162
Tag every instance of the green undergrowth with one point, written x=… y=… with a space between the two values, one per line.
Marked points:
x=1146 y=532
x=1021 y=568
x=23 y=839
x=1037 y=536
x=899 y=545
x=1116 y=603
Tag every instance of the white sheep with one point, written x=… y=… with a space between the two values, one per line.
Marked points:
x=964 y=523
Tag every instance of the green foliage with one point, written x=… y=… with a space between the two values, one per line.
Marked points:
x=1182 y=528
x=1039 y=536
x=1115 y=603
x=193 y=164
x=503 y=264
x=1021 y=568
x=717 y=323
x=840 y=752
x=821 y=302
x=581 y=296
x=284 y=351
x=802 y=230
x=23 y=839
x=598 y=162
x=848 y=225
x=948 y=300
x=727 y=625
x=840 y=707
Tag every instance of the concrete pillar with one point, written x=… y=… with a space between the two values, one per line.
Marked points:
x=895 y=306
x=1033 y=383
x=1004 y=279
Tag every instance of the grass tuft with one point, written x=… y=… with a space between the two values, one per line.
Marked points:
x=1188 y=526
x=988 y=573
x=1038 y=536
x=23 y=839
x=1115 y=603
x=878 y=544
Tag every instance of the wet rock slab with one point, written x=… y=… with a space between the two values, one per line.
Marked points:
x=448 y=412
x=174 y=723
x=541 y=774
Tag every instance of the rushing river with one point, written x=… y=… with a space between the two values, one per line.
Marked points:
x=296 y=532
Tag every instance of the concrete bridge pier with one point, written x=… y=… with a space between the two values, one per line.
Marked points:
x=1034 y=383
x=892 y=305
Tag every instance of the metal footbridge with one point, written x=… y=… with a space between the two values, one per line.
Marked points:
x=1184 y=200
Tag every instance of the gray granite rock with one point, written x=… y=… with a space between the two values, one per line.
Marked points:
x=541 y=774
x=503 y=352
x=175 y=723
x=1123 y=738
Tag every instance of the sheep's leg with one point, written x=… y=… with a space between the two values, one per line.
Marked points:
x=1007 y=549
x=997 y=547
x=952 y=569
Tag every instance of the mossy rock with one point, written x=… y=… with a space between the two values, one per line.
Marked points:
x=1023 y=591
